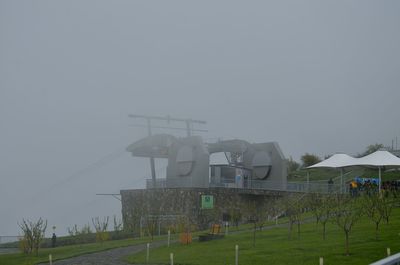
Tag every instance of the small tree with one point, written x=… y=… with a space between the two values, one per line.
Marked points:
x=235 y=216
x=257 y=216
x=292 y=165
x=100 y=227
x=371 y=149
x=322 y=207
x=374 y=209
x=79 y=235
x=293 y=206
x=117 y=225
x=33 y=234
x=309 y=159
x=346 y=213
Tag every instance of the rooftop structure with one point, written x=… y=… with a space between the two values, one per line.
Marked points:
x=249 y=164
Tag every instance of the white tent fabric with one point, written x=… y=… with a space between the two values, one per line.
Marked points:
x=379 y=159
x=336 y=161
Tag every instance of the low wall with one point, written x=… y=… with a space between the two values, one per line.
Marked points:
x=137 y=204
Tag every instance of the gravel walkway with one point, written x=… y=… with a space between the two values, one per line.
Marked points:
x=108 y=257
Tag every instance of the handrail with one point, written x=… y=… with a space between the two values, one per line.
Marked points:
x=314 y=187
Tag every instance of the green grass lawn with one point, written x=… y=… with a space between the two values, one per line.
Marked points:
x=68 y=251
x=274 y=247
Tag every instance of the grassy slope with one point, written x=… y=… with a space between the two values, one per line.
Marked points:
x=68 y=251
x=274 y=247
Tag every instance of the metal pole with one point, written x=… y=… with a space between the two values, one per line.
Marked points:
x=152 y=164
x=341 y=181
x=380 y=180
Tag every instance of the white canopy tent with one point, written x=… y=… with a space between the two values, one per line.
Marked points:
x=336 y=161
x=378 y=159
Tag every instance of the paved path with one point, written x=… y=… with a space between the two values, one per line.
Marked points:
x=108 y=257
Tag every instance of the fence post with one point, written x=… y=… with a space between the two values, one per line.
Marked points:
x=388 y=252
x=171 y=258
x=148 y=253
x=169 y=237
x=236 y=255
x=321 y=261
x=50 y=259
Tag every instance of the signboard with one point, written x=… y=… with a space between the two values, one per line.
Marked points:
x=207 y=201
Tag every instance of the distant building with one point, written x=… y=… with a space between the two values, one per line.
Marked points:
x=254 y=175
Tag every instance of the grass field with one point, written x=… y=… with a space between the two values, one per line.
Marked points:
x=68 y=251
x=274 y=247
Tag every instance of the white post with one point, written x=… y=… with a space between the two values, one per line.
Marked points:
x=50 y=260
x=388 y=252
x=169 y=237
x=236 y=255
x=148 y=253
x=171 y=258
x=321 y=261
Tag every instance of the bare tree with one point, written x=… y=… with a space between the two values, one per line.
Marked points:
x=322 y=206
x=347 y=212
x=388 y=202
x=100 y=227
x=79 y=235
x=294 y=208
x=374 y=209
x=257 y=215
x=117 y=225
x=33 y=234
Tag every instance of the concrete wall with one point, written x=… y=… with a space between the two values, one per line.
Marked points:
x=186 y=201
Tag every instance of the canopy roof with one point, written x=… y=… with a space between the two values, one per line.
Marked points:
x=156 y=146
x=379 y=159
x=376 y=159
x=336 y=161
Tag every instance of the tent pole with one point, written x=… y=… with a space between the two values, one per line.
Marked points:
x=380 y=180
x=341 y=181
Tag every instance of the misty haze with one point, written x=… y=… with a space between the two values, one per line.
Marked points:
x=281 y=78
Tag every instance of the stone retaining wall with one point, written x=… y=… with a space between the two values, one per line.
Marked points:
x=141 y=203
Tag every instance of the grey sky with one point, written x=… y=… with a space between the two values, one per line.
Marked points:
x=316 y=76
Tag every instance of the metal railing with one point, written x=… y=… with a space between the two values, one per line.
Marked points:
x=9 y=239
x=391 y=260
x=312 y=186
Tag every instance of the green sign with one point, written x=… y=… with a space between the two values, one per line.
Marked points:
x=207 y=202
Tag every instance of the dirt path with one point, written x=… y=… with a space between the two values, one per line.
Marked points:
x=108 y=257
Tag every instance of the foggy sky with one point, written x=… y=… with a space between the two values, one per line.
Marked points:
x=315 y=76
